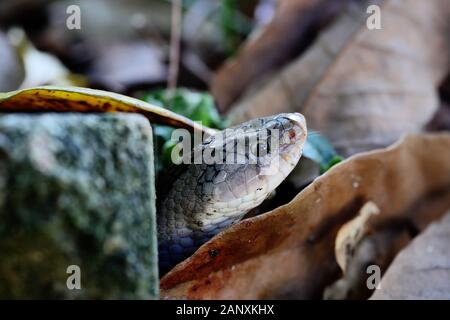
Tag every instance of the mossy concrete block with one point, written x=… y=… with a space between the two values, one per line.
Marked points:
x=77 y=190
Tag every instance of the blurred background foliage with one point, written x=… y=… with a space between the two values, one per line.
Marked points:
x=195 y=105
x=124 y=47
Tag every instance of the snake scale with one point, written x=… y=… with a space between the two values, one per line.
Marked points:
x=202 y=199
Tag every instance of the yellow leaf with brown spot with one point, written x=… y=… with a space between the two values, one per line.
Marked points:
x=75 y=99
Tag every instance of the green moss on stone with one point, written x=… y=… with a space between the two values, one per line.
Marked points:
x=77 y=189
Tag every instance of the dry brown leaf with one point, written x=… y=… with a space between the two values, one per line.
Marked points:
x=295 y=25
x=421 y=270
x=86 y=100
x=364 y=88
x=289 y=252
x=351 y=234
x=377 y=249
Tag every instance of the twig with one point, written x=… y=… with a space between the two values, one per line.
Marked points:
x=175 y=37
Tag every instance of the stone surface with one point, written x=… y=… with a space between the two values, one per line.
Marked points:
x=77 y=190
x=421 y=270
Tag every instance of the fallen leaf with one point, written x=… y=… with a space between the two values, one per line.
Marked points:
x=351 y=234
x=74 y=99
x=295 y=25
x=289 y=252
x=364 y=88
x=376 y=249
x=422 y=269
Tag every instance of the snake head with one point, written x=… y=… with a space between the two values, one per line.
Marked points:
x=233 y=171
x=255 y=157
x=280 y=148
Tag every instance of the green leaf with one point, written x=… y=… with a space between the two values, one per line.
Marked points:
x=319 y=149
x=197 y=106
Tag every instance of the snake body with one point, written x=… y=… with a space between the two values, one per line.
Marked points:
x=205 y=198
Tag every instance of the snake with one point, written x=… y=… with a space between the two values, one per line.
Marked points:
x=205 y=197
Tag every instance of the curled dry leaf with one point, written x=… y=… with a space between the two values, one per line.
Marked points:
x=377 y=248
x=364 y=88
x=289 y=252
x=74 y=99
x=360 y=244
x=351 y=234
x=421 y=270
